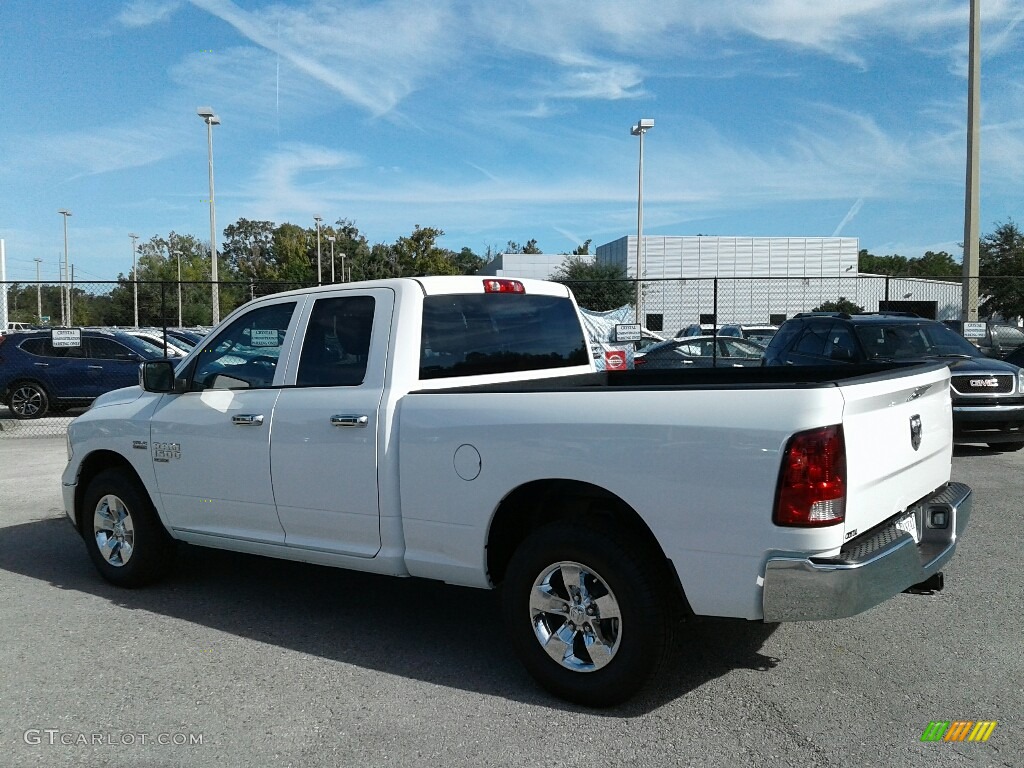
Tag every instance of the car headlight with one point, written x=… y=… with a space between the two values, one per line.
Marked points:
x=1020 y=382
x=67 y=439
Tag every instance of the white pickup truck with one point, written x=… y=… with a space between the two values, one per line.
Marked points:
x=454 y=429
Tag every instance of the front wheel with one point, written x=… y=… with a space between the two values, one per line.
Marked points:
x=588 y=611
x=28 y=400
x=126 y=540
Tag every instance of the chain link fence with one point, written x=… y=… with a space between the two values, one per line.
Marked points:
x=667 y=305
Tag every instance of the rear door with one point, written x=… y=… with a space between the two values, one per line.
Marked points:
x=327 y=434
x=108 y=365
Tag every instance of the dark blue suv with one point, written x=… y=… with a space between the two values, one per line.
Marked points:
x=38 y=375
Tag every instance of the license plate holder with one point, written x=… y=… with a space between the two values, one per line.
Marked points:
x=908 y=524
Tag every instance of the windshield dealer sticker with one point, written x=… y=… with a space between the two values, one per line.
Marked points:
x=263 y=337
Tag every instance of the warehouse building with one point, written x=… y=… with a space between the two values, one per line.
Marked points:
x=751 y=280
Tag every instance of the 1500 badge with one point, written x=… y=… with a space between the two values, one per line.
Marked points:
x=166 y=451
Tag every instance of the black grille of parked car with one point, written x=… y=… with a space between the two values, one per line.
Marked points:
x=984 y=384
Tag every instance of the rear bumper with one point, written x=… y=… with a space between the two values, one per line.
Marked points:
x=871 y=568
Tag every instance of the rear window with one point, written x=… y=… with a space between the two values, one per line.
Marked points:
x=469 y=335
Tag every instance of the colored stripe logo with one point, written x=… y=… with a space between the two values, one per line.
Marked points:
x=959 y=730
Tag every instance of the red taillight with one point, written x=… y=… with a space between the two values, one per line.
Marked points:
x=503 y=286
x=812 y=482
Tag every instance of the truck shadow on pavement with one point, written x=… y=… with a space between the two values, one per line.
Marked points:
x=415 y=628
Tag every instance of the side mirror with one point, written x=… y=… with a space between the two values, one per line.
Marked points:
x=158 y=376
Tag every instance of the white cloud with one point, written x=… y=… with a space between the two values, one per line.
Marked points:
x=143 y=13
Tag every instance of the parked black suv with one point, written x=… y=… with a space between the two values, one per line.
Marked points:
x=988 y=394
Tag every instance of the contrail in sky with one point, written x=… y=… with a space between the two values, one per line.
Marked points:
x=854 y=210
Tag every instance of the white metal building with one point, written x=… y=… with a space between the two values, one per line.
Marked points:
x=690 y=279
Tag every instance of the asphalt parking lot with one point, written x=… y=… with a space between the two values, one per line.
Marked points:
x=238 y=660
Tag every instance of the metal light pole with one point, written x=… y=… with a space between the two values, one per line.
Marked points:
x=206 y=113
x=343 y=278
x=319 y=274
x=178 y=254
x=330 y=239
x=135 y=278
x=972 y=198
x=643 y=126
x=39 y=293
x=66 y=313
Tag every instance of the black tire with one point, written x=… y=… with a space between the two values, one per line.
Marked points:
x=28 y=400
x=139 y=550
x=1006 y=447
x=612 y=566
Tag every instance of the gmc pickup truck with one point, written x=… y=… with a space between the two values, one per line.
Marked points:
x=455 y=429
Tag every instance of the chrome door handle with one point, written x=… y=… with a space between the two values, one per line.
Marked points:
x=349 y=420
x=95 y=367
x=42 y=365
x=248 y=420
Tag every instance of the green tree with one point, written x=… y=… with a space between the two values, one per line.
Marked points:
x=582 y=250
x=598 y=287
x=419 y=254
x=842 y=305
x=1001 y=260
x=249 y=248
x=935 y=264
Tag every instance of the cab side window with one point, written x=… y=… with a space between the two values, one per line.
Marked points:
x=245 y=354
x=337 y=342
x=812 y=342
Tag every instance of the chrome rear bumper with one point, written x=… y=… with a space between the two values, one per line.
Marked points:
x=871 y=568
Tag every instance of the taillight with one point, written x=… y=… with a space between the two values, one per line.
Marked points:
x=503 y=286
x=812 y=481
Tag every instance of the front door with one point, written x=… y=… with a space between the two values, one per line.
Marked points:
x=211 y=445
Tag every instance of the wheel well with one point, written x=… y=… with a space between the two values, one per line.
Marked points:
x=93 y=464
x=536 y=504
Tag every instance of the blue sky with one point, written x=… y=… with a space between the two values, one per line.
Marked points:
x=499 y=121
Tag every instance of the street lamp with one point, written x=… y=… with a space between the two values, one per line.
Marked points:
x=206 y=113
x=330 y=239
x=319 y=274
x=66 y=318
x=343 y=278
x=178 y=254
x=135 y=278
x=643 y=126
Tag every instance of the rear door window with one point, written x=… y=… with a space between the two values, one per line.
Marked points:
x=337 y=344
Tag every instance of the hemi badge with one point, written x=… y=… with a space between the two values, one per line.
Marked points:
x=140 y=444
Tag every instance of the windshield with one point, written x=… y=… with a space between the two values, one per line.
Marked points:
x=907 y=340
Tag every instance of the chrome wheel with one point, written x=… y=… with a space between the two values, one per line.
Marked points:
x=114 y=531
x=575 y=616
x=28 y=401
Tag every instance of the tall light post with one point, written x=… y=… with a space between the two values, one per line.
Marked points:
x=319 y=274
x=178 y=254
x=972 y=196
x=343 y=278
x=66 y=313
x=39 y=293
x=643 y=126
x=135 y=278
x=330 y=239
x=206 y=113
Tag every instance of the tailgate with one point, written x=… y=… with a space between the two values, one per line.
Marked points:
x=899 y=442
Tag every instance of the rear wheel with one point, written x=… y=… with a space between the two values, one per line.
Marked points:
x=28 y=400
x=588 y=612
x=1006 y=447
x=126 y=540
